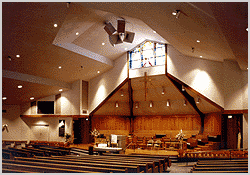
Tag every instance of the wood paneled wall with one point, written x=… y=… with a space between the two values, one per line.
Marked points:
x=212 y=124
x=169 y=125
x=149 y=125
x=107 y=125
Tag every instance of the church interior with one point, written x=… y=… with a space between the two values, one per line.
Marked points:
x=150 y=87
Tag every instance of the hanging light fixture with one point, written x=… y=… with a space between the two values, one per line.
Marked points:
x=116 y=104
x=150 y=104
x=185 y=103
x=168 y=103
x=182 y=88
x=136 y=105
x=198 y=100
x=163 y=90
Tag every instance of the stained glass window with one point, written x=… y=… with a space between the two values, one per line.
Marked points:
x=146 y=55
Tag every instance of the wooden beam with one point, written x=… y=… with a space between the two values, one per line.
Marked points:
x=235 y=111
x=108 y=97
x=166 y=56
x=52 y=115
x=189 y=98
x=131 y=102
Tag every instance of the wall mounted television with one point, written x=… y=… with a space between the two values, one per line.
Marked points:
x=45 y=107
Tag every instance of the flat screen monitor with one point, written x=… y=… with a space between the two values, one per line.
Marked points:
x=45 y=107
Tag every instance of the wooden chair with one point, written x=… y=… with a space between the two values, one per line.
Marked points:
x=157 y=144
x=150 y=144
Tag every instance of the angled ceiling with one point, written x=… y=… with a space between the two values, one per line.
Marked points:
x=28 y=30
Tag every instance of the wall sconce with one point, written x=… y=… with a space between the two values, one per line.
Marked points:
x=168 y=103
x=116 y=104
x=150 y=104
x=230 y=116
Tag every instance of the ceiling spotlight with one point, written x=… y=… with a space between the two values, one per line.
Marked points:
x=116 y=104
x=103 y=44
x=126 y=48
x=98 y=71
x=200 y=56
x=230 y=116
x=168 y=103
x=182 y=88
x=77 y=33
x=32 y=98
x=55 y=25
x=198 y=41
x=87 y=119
x=4 y=98
x=247 y=29
x=154 y=31
x=20 y=86
x=150 y=104
x=9 y=58
x=60 y=90
x=176 y=13
x=17 y=56
x=60 y=67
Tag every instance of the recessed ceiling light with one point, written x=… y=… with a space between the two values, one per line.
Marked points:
x=60 y=90
x=246 y=29
x=154 y=31
x=103 y=44
x=4 y=98
x=77 y=33
x=17 y=56
x=55 y=25
x=201 y=56
x=98 y=71
x=126 y=48
x=32 y=98
x=174 y=13
x=60 y=67
x=20 y=86
x=198 y=41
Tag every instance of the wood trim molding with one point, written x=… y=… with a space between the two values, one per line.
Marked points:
x=235 y=111
x=197 y=93
x=52 y=115
x=108 y=97
x=166 y=57
x=131 y=102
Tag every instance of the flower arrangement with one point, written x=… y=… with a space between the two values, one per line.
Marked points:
x=180 y=135
x=95 y=133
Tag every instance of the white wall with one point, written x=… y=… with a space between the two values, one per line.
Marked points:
x=70 y=100
x=101 y=86
x=235 y=86
x=155 y=70
x=26 y=129
x=222 y=82
x=18 y=129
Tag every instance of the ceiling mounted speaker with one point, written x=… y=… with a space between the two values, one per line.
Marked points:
x=121 y=26
x=129 y=37
x=109 y=29
x=115 y=39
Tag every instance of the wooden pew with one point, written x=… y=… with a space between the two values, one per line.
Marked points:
x=94 y=159
x=66 y=167
x=41 y=169
x=16 y=153
x=131 y=168
x=5 y=170
x=59 y=150
x=46 y=152
x=31 y=152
